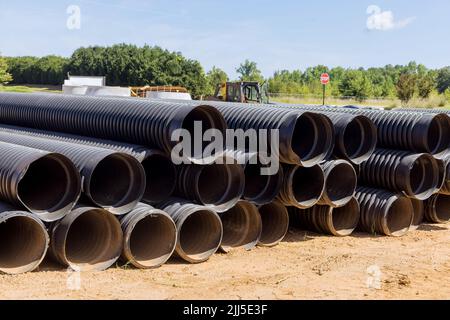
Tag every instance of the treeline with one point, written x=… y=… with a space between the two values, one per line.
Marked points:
x=129 y=65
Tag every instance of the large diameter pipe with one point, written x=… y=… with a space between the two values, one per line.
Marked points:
x=414 y=131
x=437 y=209
x=275 y=224
x=23 y=240
x=383 y=212
x=242 y=226
x=417 y=175
x=302 y=187
x=339 y=222
x=355 y=135
x=419 y=213
x=340 y=183
x=138 y=121
x=87 y=239
x=305 y=138
x=199 y=230
x=159 y=169
x=217 y=186
x=446 y=185
x=47 y=184
x=111 y=180
x=149 y=237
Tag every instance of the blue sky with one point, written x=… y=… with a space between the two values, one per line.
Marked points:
x=283 y=34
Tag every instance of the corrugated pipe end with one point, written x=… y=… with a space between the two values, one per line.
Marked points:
x=261 y=189
x=437 y=209
x=23 y=242
x=340 y=183
x=419 y=175
x=117 y=183
x=242 y=226
x=87 y=239
x=220 y=186
x=186 y=118
x=199 y=235
x=49 y=187
x=275 y=224
x=419 y=213
x=357 y=139
x=433 y=133
x=302 y=187
x=160 y=176
x=312 y=139
x=150 y=236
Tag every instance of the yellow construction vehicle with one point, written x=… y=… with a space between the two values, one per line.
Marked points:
x=242 y=91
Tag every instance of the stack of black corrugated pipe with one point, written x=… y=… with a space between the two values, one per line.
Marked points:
x=318 y=176
x=406 y=180
x=92 y=179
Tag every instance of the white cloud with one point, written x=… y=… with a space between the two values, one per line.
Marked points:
x=384 y=20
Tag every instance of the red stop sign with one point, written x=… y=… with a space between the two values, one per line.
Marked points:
x=325 y=78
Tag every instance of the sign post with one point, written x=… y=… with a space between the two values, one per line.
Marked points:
x=324 y=79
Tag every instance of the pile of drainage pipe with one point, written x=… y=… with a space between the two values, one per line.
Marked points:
x=89 y=182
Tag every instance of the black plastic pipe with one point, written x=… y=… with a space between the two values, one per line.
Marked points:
x=275 y=224
x=437 y=209
x=340 y=183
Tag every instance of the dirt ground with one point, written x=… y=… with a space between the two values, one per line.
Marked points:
x=304 y=266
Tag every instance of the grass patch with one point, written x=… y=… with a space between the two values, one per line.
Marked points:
x=29 y=89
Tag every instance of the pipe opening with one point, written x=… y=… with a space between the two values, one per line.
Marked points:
x=442 y=207
x=241 y=226
x=23 y=244
x=308 y=185
x=200 y=235
x=360 y=138
x=399 y=217
x=304 y=139
x=93 y=241
x=209 y=118
x=220 y=185
x=50 y=184
x=153 y=240
x=255 y=183
x=118 y=181
x=275 y=224
x=340 y=184
x=423 y=179
x=160 y=178
x=346 y=218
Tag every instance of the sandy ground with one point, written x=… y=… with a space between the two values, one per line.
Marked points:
x=304 y=266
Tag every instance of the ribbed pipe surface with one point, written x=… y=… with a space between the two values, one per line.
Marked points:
x=199 y=230
x=111 y=180
x=355 y=135
x=414 y=131
x=138 y=121
x=417 y=175
x=45 y=183
x=338 y=222
x=340 y=183
x=437 y=209
x=242 y=226
x=383 y=212
x=275 y=223
x=149 y=237
x=87 y=239
x=23 y=240
x=302 y=187
x=160 y=172
x=217 y=186
x=306 y=138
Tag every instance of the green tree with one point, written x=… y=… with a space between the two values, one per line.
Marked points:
x=215 y=77
x=248 y=71
x=355 y=84
x=425 y=85
x=5 y=76
x=443 y=79
x=406 y=87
